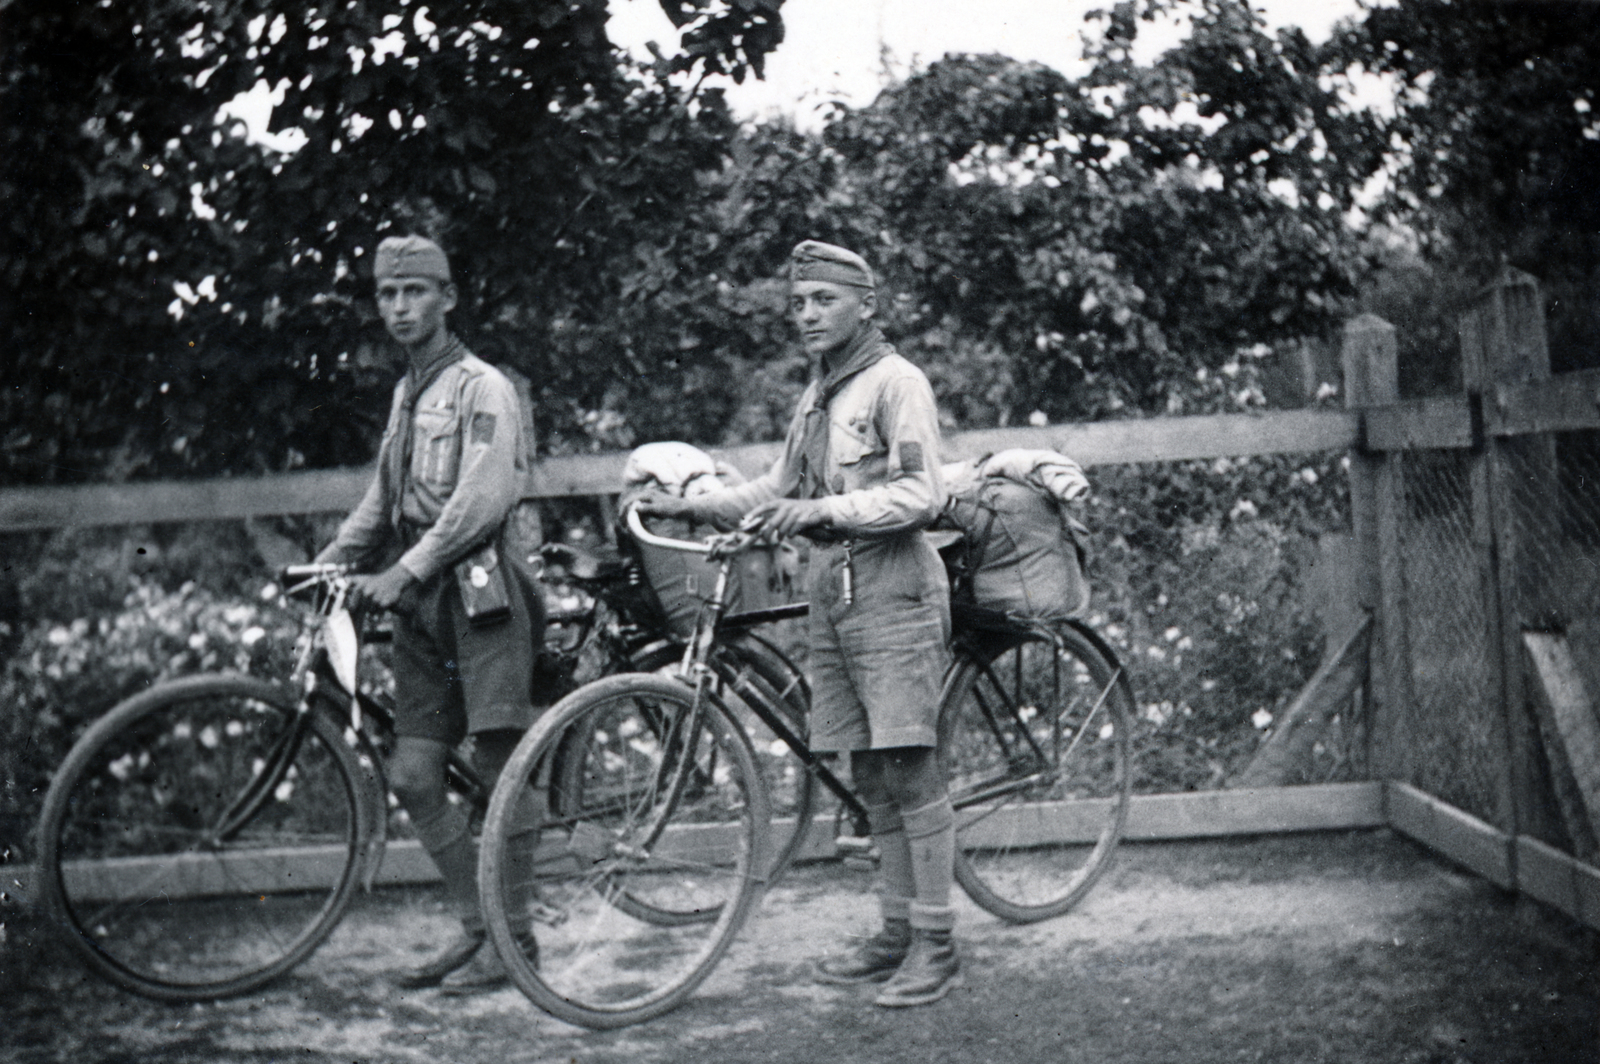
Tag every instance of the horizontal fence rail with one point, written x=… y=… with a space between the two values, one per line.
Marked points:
x=330 y=490
x=1567 y=402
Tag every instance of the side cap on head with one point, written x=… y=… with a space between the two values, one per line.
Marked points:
x=812 y=260
x=411 y=256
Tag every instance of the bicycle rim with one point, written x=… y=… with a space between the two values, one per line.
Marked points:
x=202 y=838
x=1034 y=734
x=624 y=899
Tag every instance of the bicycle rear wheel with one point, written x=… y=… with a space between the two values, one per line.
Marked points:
x=1034 y=734
x=648 y=861
x=202 y=838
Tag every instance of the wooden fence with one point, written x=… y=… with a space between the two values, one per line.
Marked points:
x=1535 y=832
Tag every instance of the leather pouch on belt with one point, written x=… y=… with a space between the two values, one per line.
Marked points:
x=485 y=595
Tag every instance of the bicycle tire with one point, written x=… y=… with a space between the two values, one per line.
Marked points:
x=151 y=888
x=1035 y=730
x=635 y=832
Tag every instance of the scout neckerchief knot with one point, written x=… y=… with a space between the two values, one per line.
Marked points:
x=453 y=352
x=864 y=351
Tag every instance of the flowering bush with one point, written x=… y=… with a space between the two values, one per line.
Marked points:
x=63 y=676
x=1198 y=571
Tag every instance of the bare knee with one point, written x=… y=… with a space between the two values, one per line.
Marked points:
x=416 y=774
x=908 y=776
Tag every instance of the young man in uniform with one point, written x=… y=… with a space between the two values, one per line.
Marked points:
x=446 y=480
x=859 y=477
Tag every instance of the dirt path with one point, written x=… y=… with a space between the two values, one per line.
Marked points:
x=1338 y=947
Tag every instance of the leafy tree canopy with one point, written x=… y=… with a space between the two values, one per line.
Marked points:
x=169 y=276
x=1495 y=145
x=1125 y=241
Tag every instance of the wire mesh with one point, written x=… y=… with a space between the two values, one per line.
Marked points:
x=1206 y=581
x=1553 y=484
x=1445 y=737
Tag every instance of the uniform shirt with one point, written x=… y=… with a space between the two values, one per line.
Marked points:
x=462 y=480
x=882 y=470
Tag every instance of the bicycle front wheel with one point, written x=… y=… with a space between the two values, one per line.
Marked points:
x=648 y=856
x=1034 y=734
x=202 y=838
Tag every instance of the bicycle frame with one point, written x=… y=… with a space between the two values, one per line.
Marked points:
x=712 y=622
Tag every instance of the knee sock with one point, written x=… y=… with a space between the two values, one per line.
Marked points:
x=896 y=883
x=931 y=839
x=447 y=837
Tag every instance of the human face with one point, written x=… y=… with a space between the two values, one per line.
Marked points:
x=829 y=315
x=413 y=308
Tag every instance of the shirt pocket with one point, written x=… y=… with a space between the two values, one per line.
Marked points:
x=437 y=446
x=850 y=441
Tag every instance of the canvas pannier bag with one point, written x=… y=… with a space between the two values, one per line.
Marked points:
x=1020 y=549
x=680 y=583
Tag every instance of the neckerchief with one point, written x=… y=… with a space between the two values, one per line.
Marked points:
x=400 y=455
x=862 y=352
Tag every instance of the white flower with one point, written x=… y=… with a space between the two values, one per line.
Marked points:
x=1242 y=508
x=1326 y=391
x=1309 y=475
x=252 y=635
x=1038 y=419
x=1172 y=634
x=1261 y=718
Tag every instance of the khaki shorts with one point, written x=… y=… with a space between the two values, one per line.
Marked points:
x=878 y=664
x=452 y=679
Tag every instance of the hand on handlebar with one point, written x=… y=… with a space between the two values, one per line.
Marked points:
x=784 y=517
x=380 y=591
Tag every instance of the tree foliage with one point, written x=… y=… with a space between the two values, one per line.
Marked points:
x=1055 y=246
x=1495 y=144
x=170 y=275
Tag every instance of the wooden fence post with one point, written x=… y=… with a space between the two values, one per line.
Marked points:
x=1370 y=358
x=1503 y=343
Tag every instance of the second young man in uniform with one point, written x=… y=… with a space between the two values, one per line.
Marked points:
x=859 y=477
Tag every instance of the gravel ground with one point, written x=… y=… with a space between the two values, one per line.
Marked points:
x=1354 y=946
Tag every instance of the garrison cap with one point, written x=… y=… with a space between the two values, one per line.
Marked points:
x=812 y=260
x=411 y=256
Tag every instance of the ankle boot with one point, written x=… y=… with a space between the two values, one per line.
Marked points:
x=930 y=970
x=431 y=972
x=872 y=960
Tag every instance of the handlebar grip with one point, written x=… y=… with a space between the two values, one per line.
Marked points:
x=310 y=570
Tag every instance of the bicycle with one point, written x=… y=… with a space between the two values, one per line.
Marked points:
x=665 y=818
x=205 y=836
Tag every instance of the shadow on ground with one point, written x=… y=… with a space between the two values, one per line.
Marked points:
x=1336 y=947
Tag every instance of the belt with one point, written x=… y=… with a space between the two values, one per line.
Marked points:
x=409 y=533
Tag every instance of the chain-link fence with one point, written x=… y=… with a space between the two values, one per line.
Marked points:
x=1207 y=582
x=1448 y=736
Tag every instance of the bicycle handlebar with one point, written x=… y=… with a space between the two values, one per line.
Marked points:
x=313 y=570
x=644 y=535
